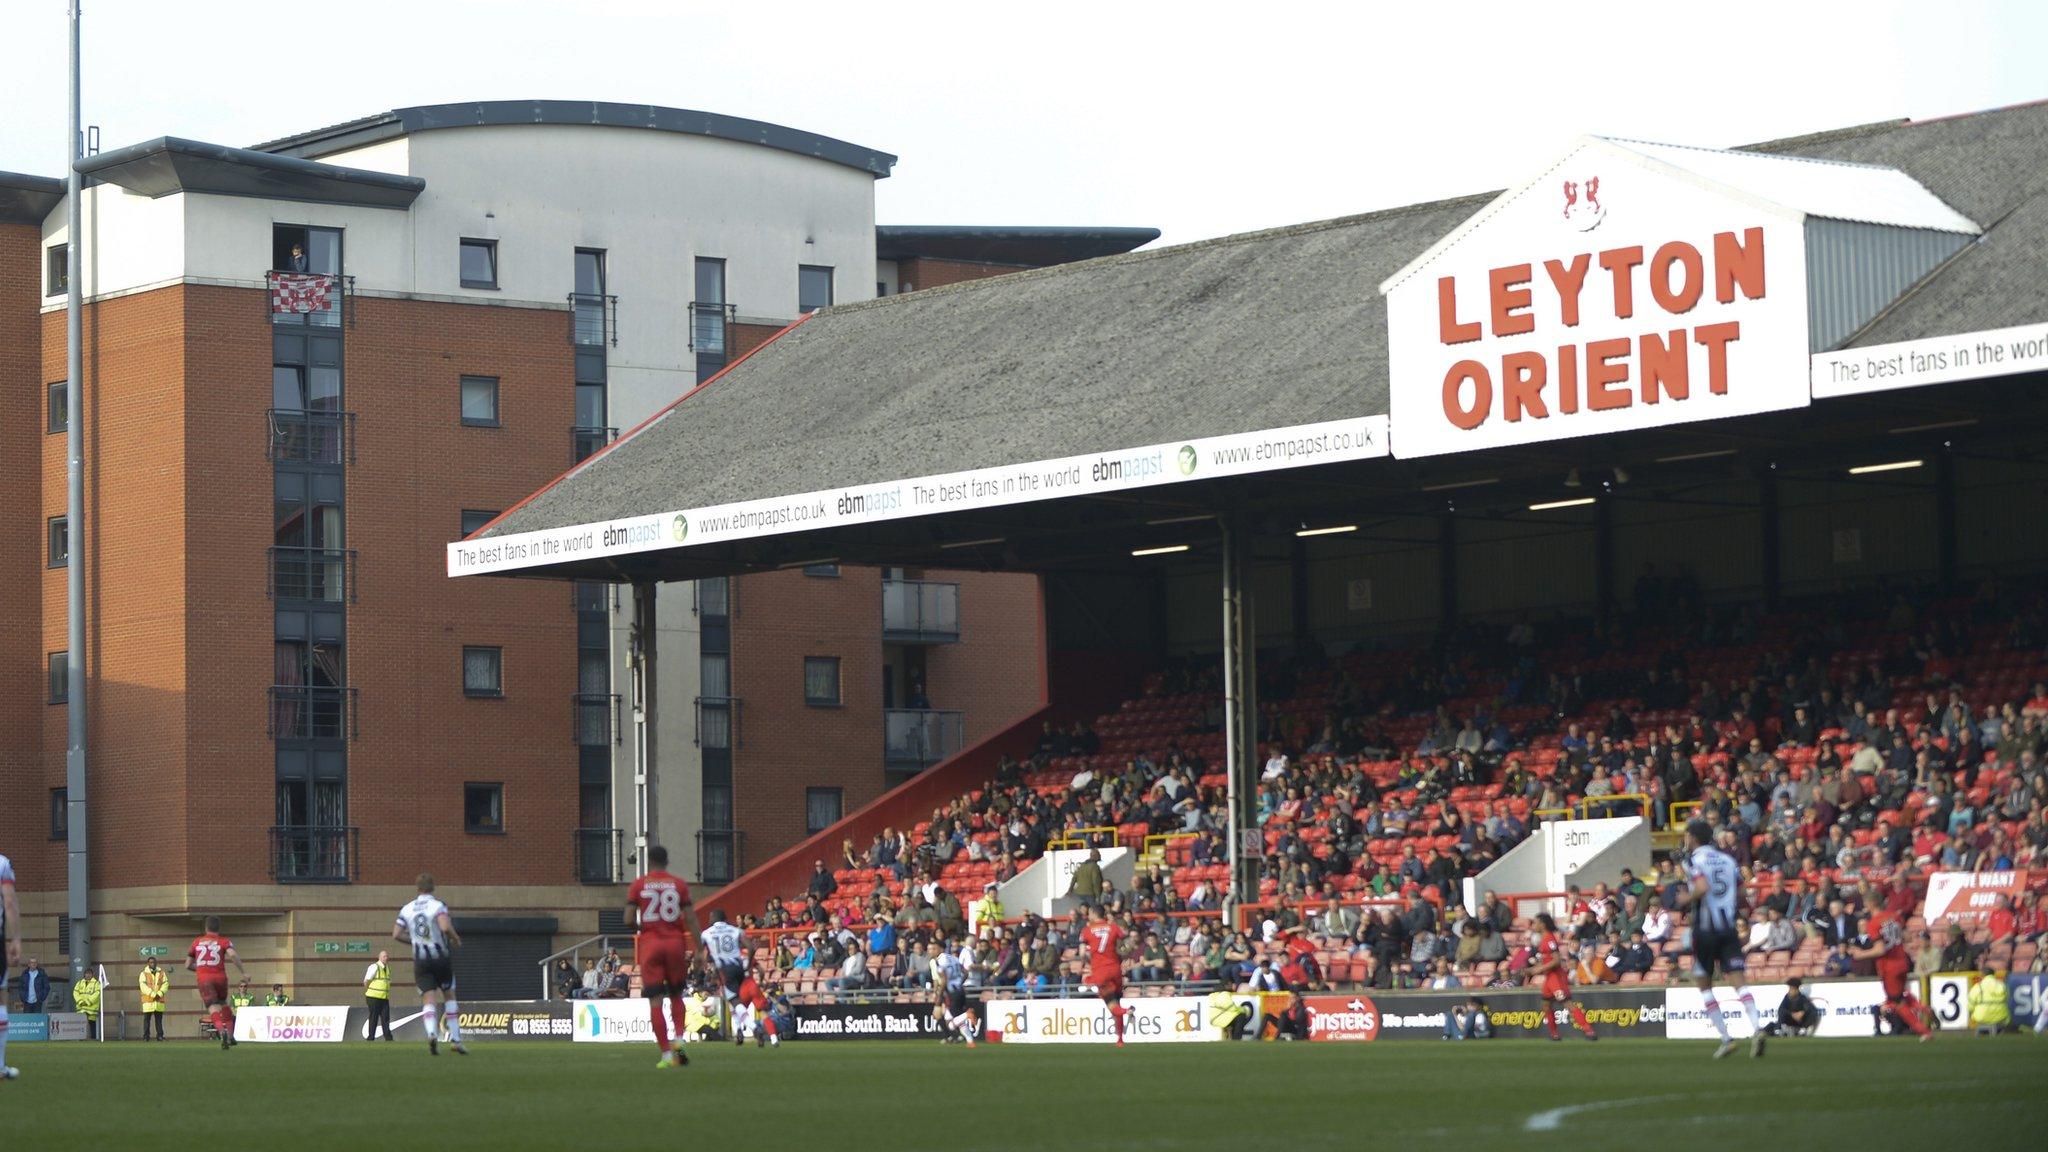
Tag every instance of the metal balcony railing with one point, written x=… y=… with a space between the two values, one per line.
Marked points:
x=600 y=855
x=721 y=855
x=594 y=319
x=298 y=712
x=920 y=612
x=718 y=723
x=305 y=854
x=327 y=575
x=307 y=299
x=598 y=720
x=298 y=436
x=711 y=329
x=921 y=737
x=586 y=442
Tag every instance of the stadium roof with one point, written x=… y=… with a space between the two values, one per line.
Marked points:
x=488 y=113
x=1272 y=330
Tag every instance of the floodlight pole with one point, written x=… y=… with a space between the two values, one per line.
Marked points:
x=1240 y=716
x=79 y=874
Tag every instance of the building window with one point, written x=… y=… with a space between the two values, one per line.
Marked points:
x=813 y=287
x=828 y=571
x=479 y=263
x=60 y=814
x=60 y=413
x=60 y=541
x=60 y=677
x=480 y=401
x=473 y=519
x=483 y=809
x=821 y=681
x=483 y=672
x=57 y=276
x=822 y=807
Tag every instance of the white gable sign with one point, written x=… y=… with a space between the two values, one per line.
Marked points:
x=1613 y=292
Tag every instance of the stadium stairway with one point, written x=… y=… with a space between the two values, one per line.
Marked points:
x=1090 y=683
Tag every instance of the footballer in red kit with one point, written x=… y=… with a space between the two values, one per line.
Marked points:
x=1549 y=964
x=1887 y=946
x=660 y=904
x=1104 y=941
x=208 y=958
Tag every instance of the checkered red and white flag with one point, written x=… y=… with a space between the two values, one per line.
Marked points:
x=300 y=293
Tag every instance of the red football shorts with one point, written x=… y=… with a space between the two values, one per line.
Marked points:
x=1108 y=987
x=663 y=965
x=1556 y=987
x=213 y=989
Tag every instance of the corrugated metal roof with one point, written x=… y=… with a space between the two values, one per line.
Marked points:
x=1863 y=193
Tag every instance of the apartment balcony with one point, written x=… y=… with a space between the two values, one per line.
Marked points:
x=721 y=855
x=300 y=712
x=920 y=612
x=711 y=336
x=598 y=719
x=307 y=299
x=600 y=855
x=305 y=854
x=298 y=436
x=588 y=442
x=718 y=723
x=917 y=738
x=322 y=575
x=593 y=319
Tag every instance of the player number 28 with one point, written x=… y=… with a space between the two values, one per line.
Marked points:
x=663 y=904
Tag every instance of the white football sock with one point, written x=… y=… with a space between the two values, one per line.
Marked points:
x=453 y=1016
x=1714 y=1016
x=430 y=1018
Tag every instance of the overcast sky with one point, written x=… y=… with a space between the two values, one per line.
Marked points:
x=1199 y=119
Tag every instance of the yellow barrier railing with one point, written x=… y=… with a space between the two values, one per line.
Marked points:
x=1546 y=813
x=1078 y=838
x=1156 y=845
x=1586 y=805
x=1686 y=806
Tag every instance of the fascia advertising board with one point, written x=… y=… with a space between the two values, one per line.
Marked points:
x=1207 y=458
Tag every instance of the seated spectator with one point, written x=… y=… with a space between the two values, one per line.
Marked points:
x=592 y=980
x=1958 y=955
x=1291 y=1022
x=1469 y=942
x=1635 y=956
x=1797 y=1015
x=1152 y=966
x=1440 y=976
x=1657 y=927
x=1989 y=1012
x=1469 y=1021
x=1227 y=1013
x=853 y=972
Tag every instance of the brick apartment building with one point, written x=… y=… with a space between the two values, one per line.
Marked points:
x=397 y=327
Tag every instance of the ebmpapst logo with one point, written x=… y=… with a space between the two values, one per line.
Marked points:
x=1187 y=459
x=680 y=528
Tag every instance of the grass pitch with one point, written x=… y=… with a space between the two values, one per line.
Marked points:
x=1957 y=1092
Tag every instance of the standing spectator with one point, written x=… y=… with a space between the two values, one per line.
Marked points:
x=85 y=998
x=1085 y=884
x=377 y=995
x=35 y=986
x=1989 y=1013
x=155 y=986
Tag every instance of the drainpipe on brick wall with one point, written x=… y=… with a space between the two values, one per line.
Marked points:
x=78 y=873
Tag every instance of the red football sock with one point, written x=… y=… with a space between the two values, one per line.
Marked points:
x=657 y=1012
x=768 y=1026
x=1550 y=1019
x=1116 y=1016
x=1579 y=1019
x=1910 y=1011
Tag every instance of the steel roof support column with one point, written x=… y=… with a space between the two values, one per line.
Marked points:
x=1241 y=714
x=644 y=661
x=79 y=862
